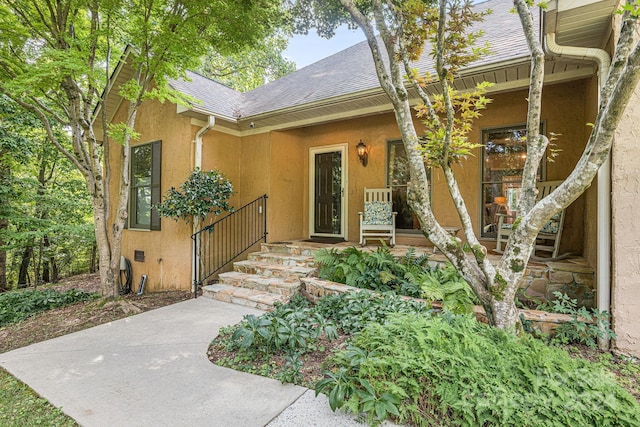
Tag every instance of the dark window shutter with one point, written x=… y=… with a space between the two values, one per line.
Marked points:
x=156 y=167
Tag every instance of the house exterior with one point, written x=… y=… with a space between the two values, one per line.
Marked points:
x=295 y=141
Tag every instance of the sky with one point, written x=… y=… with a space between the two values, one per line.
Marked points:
x=305 y=50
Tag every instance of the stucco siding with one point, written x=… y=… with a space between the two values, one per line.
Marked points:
x=167 y=260
x=626 y=229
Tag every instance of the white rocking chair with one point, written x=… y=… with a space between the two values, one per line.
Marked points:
x=378 y=219
x=552 y=231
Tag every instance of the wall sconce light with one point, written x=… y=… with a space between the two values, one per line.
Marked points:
x=363 y=153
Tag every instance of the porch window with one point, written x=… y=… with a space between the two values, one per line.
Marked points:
x=503 y=158
x=398 y=176
x=145 y=186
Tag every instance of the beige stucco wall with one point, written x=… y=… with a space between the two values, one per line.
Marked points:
x=563 y=113
x=167 y=252
x=625 y=200
x=277 y=164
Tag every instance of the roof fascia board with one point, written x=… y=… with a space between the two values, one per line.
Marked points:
x=122 y=62
x=183 y=109
x=385 y=108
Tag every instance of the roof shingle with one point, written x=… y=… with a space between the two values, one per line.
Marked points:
x=347 y=72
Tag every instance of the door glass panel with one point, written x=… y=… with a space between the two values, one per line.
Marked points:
x=504 y=156
x=328 y=193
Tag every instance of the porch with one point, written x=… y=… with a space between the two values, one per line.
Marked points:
x=282 y=269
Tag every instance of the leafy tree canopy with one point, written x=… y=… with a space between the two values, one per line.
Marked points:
x=250 y=68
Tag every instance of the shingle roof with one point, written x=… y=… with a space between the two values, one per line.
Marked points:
x=347 y=72
x=216 y=97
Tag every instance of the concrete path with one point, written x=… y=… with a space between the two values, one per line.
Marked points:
x=151 y=370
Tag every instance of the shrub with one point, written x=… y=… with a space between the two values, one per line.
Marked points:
x=409 y=275
x=18 y=305
x=452 y=370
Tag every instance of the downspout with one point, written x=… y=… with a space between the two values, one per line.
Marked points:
x=197 y=164
x=603 y=280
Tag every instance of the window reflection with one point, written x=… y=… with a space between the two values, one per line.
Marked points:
x=503 y=159
x=398 y=176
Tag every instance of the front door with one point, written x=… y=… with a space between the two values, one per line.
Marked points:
x=326 y=191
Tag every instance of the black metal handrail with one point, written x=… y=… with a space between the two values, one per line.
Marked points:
x=221 y=242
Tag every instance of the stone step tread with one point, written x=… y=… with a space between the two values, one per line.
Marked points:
x=287 y=248
x=278 y=258
x=275 y=285
x=257 y=278
x=274 y=269
x=242 y=296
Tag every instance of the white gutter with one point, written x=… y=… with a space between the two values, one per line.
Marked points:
x=197 y=164
x=603 y=280
x=197 y=160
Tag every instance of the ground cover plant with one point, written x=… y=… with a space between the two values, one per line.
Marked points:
x=452 y=370
x=18 y=305
x=408 y=275
x=394 y=357
x=279 y=344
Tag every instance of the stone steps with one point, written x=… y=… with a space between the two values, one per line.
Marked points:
x=275 y=285
x=267 y=277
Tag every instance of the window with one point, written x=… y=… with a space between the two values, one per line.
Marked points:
x=145 y=186
x=398 y=176
x=503 y=158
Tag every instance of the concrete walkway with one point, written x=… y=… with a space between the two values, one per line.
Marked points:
x=152 y=370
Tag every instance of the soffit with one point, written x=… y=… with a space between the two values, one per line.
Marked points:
x=581 y=23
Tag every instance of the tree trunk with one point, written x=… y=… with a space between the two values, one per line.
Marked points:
x=94 y=259
x=4 y=225
x=503 y=314
x=23 y=276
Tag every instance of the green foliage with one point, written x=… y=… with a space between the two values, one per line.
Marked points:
x=19 y=305
x=250 y=68
x=202 y=193
x=352 y=311
x=292 y=328
x=21 y=406
x=451 y=370
x=43 y=200
x=442 y=145
x=408 y=275
x=378 y=270
x=446 y=285
x=585 y=327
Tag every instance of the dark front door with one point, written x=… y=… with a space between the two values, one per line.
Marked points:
x=328 y=193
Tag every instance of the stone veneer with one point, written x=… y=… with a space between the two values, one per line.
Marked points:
x=572 y=277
